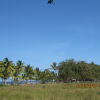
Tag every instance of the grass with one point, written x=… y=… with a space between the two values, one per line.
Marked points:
x=65 y=91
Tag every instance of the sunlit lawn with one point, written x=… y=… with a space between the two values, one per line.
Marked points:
x=49 y=92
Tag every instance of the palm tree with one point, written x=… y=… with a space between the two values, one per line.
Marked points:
x=7 y=69
x=46 y=76
x=37 y=74
x=17 y=70
x=1 y=69
x=28 y=73
x=54 y=66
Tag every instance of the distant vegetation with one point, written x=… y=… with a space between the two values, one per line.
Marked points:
x=65 y=71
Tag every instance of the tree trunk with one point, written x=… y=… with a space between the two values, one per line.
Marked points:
x=4 y=81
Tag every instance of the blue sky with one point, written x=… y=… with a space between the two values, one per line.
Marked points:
x=39 y=34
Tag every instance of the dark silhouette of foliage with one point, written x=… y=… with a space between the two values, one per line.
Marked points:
x=50 y=1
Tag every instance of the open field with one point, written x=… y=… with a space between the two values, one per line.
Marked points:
x=72 y=91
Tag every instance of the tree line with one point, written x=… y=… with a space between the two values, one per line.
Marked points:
x=64 y=71
x=19 y=71
x=81 y=70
